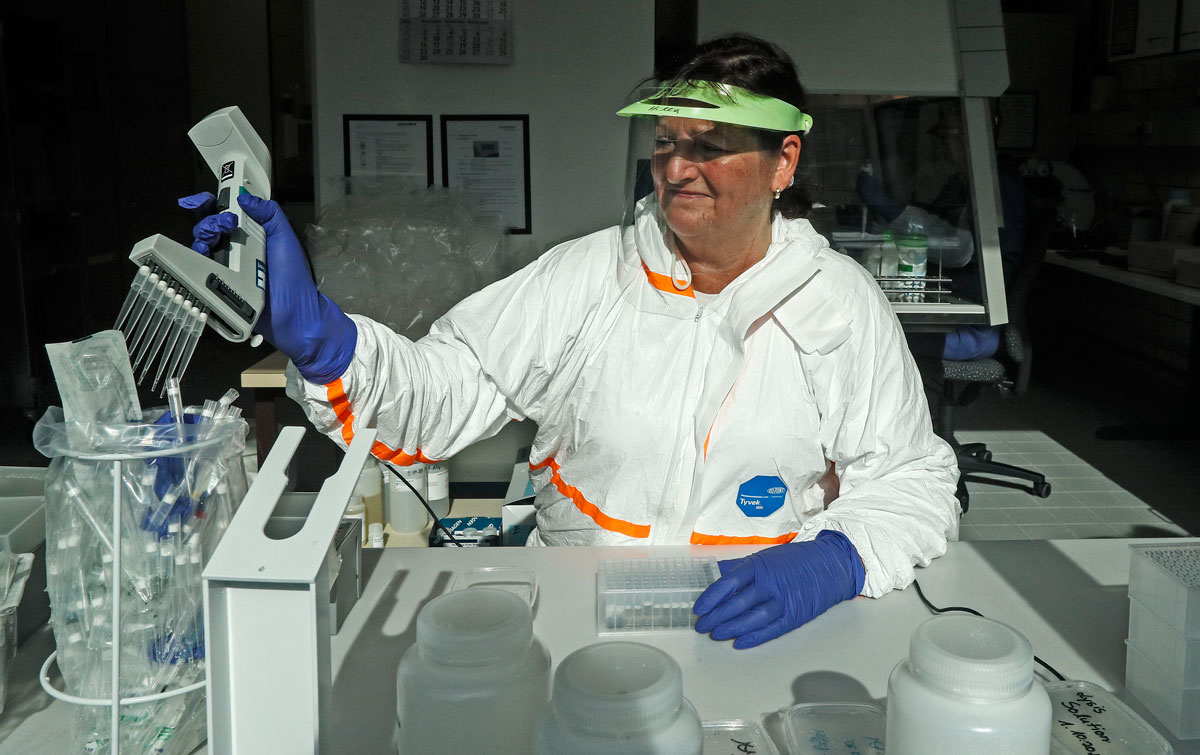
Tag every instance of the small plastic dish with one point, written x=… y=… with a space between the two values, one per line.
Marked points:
x=823 y=728
x=521 y=582
x=650 y=595
x=1089 y=719
x=736 y=736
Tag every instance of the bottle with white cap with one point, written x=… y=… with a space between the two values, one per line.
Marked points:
x=476 y=680
x=619 y=698
x=967 y=686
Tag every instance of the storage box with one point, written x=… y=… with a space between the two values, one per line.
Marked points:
x=472 y=531
x=1165 y=647
x=1159 y=257
x=23 y=530
x=1165 y=579
x=9 y=613
x=736 y=736
x=1177 y=709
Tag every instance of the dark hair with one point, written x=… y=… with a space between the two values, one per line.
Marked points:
x=759 y=66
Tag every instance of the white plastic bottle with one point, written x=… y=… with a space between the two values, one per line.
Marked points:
x=476 y=680
x=370 y=487
x=437 y=482
x=967 y=687
x=913 y=259
x=619 y=698
x=402 y=508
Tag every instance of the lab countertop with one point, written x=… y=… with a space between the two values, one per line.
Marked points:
x=1068 y=597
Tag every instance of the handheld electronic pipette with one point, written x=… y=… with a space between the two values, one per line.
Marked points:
x=177 y=291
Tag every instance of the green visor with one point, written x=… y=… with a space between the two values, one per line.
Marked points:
x=722 y=103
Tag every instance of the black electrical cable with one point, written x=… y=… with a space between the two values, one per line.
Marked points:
x=973 y=612
x=436 y=522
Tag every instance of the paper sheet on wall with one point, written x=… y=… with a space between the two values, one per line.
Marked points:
x=486 y=160
x=456 y=31
x=390 y=148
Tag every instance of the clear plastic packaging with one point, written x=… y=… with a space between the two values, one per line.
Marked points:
x=18 y=567
x=515 y=579
x=813 y=728
x=650 y=595
x=1089 y=720
x=1166 y=580
x=176 y=497
x=404 y=257
x=736 y=736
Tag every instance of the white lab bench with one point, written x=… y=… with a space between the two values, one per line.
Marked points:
x=1068 y=597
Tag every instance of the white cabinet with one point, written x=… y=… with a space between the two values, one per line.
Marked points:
x=1139 y=28
x=1189 y=25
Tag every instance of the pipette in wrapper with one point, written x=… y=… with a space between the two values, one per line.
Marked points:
x=176 y=291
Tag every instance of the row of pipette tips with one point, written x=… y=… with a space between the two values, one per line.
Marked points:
x=160 y=311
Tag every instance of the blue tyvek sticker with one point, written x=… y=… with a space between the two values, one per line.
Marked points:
x=761 y=496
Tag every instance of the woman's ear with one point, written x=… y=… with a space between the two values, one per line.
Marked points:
x=789 y=158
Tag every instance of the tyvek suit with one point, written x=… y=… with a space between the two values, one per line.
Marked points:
x=663 y=420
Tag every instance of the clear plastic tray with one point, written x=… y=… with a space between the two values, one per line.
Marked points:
x=650 y=595
x=1177 y=709
x=822 y=728
x=735 y=737
x=1166 y=580
x=1164 y=646
x=1089 y=719
x=521 y=582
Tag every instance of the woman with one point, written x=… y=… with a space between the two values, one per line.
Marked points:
x=693 y=374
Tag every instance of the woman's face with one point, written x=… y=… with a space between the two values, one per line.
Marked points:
x=713 y=180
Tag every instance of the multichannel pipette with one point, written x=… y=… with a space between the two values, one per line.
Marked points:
x=176 y=291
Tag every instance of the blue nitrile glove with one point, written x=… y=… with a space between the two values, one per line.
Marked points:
x=297 y=319
x=873 y=195
x=770 y=593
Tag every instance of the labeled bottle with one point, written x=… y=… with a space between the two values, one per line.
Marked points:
x=403 y=509
x=375 y=535
x=476 y=680
x=437 y=482
x=370 y=487
x=889 y=262
x=967 y=686
x=619 y=698
x=913 y=260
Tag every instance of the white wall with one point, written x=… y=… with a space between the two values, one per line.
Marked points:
x=851 y=46
x=574 y=65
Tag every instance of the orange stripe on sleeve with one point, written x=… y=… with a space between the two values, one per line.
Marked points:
x=612 y=524
x=335 y=392
x=702 y=539
x=664 y=283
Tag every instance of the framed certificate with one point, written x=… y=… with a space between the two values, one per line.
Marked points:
x=399 y=146
x=486 y=157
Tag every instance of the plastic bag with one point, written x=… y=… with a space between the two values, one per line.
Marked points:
x=176 y=495
x=404 y=257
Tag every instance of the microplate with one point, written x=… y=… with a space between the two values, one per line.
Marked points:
x=650 y=595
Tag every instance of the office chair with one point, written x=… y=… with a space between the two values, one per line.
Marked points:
x=959 y=383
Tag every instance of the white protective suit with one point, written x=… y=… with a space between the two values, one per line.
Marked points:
x=659 y=418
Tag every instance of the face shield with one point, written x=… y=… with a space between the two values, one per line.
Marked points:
x=704 y=163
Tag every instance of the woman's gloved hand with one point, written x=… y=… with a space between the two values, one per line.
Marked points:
x=770 y=593
x=876 y=198
x=297 y=319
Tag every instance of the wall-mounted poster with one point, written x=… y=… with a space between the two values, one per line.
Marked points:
x=394 y=146
x=486 y=157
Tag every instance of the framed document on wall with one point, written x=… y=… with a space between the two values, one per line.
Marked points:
x=486 y=157
x=396 y=146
